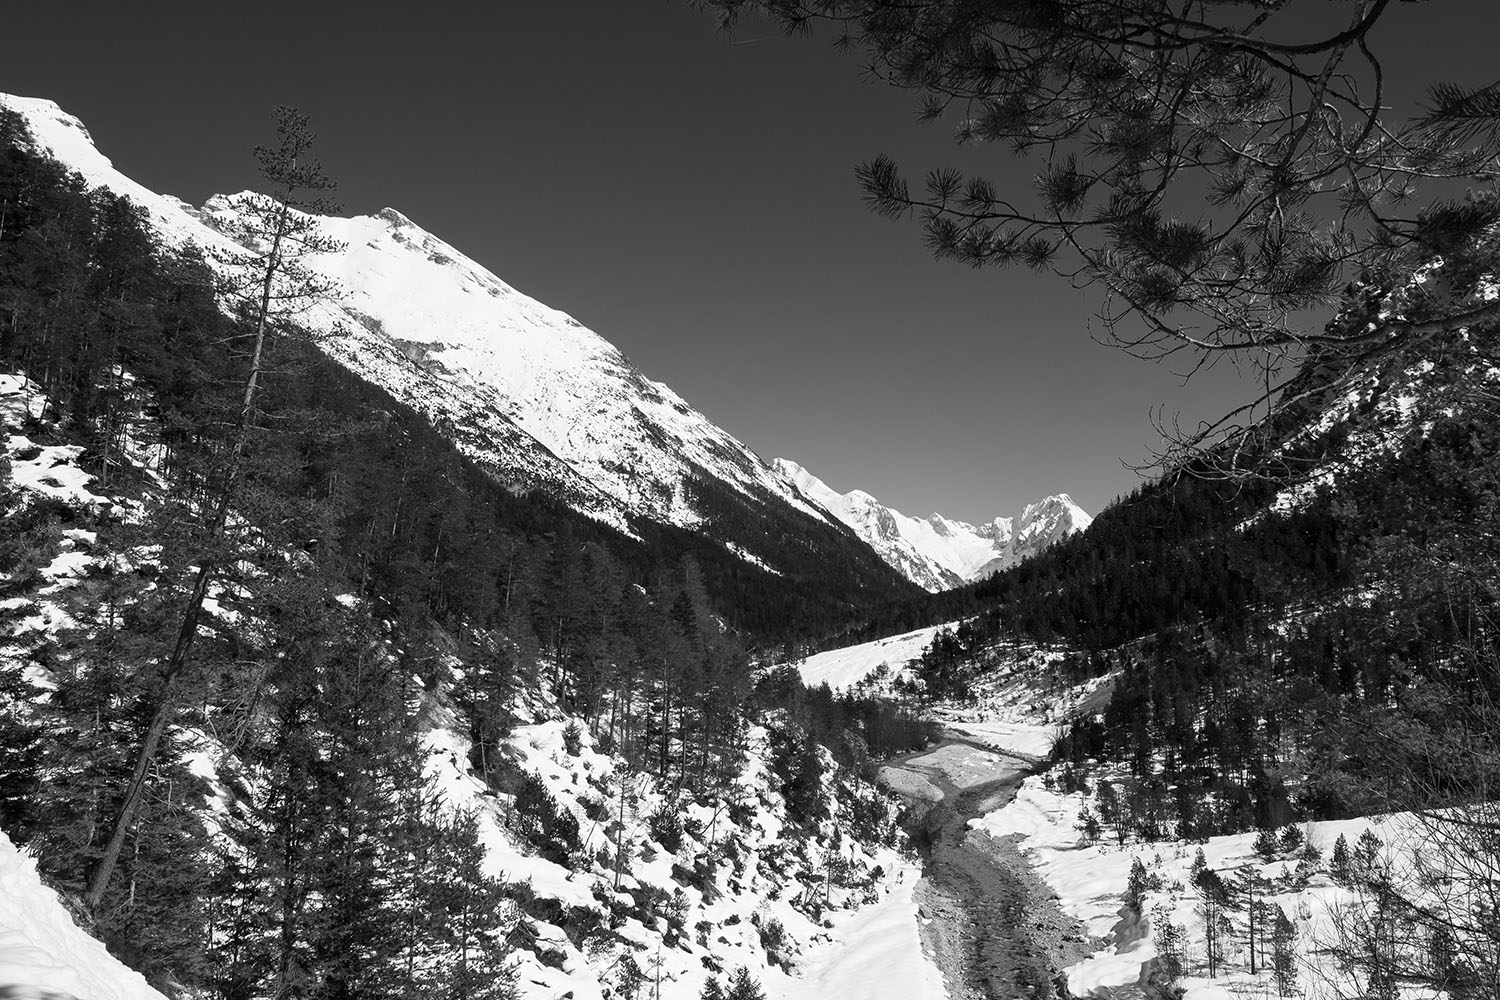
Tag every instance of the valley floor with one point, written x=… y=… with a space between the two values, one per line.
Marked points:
x=989 y=923
x=879 y=955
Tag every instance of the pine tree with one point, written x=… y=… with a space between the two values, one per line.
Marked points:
x=743 y=986
x=1213 y=897
x=1244 y=103
x=1283 y=954
x=1253 y=887
x=478 y=921
x=1088 y=825
x=273 y=282
x=21 y=745
x=1339 y=867
x=92 y=717
x=1267 y=845
x=1139 y=883
x=453 y=918
x=1168 y=939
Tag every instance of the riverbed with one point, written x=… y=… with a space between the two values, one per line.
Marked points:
x=990 y=924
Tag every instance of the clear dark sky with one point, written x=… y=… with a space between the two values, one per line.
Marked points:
x=688 y=196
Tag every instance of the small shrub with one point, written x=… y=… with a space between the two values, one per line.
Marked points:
x=545 y=823
x=594 y=808
x=1267 y=845
x=772 y=934
x=666 y=828
x=1139 y=884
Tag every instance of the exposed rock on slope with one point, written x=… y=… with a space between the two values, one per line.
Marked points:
x=937 y=552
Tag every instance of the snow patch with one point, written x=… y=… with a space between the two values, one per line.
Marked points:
x=41 y=947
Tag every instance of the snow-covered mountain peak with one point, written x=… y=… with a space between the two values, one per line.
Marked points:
x=939 y=552
x=525 y=389
x=60 y=123
x=394 y=217
x=1058 y=505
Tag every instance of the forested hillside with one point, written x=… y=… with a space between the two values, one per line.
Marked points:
x=279 y=667
x=1284 y=647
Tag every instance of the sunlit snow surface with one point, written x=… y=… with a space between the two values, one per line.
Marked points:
x=938 y=552
x=877 y=956
x=1090 y=882
x=842 y=669
x=522 y=388
x=41 y=947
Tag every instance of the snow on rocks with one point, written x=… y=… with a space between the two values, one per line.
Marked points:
x=670 y=911
x=50 y=471
x=938 y=552
x=41 y=947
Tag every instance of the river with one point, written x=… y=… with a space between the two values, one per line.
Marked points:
x=991 y=925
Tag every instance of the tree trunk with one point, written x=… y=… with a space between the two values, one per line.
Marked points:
x=177 y=662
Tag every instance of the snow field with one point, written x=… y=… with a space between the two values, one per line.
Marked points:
x=878 y=956
x=842 y=669
x=1090 y=881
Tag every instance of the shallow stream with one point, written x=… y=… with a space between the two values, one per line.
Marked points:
x=989 y=922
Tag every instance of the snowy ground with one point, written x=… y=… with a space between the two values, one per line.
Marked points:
x=878 y=956
x=767 y=875
x=1091 y=879
x=877 y=921
x=41 y=947
x=842 y=669
x=1023 y=739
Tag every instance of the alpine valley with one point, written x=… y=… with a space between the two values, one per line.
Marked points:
x=372 y=631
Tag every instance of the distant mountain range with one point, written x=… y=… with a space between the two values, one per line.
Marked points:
x=938 y=552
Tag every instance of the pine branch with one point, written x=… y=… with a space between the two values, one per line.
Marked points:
x=1464 y=117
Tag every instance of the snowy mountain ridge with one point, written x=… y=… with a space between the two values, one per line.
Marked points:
x=938 y=552
x=524 y=389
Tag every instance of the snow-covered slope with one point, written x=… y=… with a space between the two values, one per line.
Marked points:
x=850 y=666
x=524 y=389
x=748 y=882
x=43 y=952
x=937 y=552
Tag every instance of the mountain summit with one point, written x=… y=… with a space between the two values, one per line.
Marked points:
x=938 y=552
x=525 y=390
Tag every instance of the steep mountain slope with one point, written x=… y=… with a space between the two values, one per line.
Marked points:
x=525 y=390
x=937 y=552
x=589 y=875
